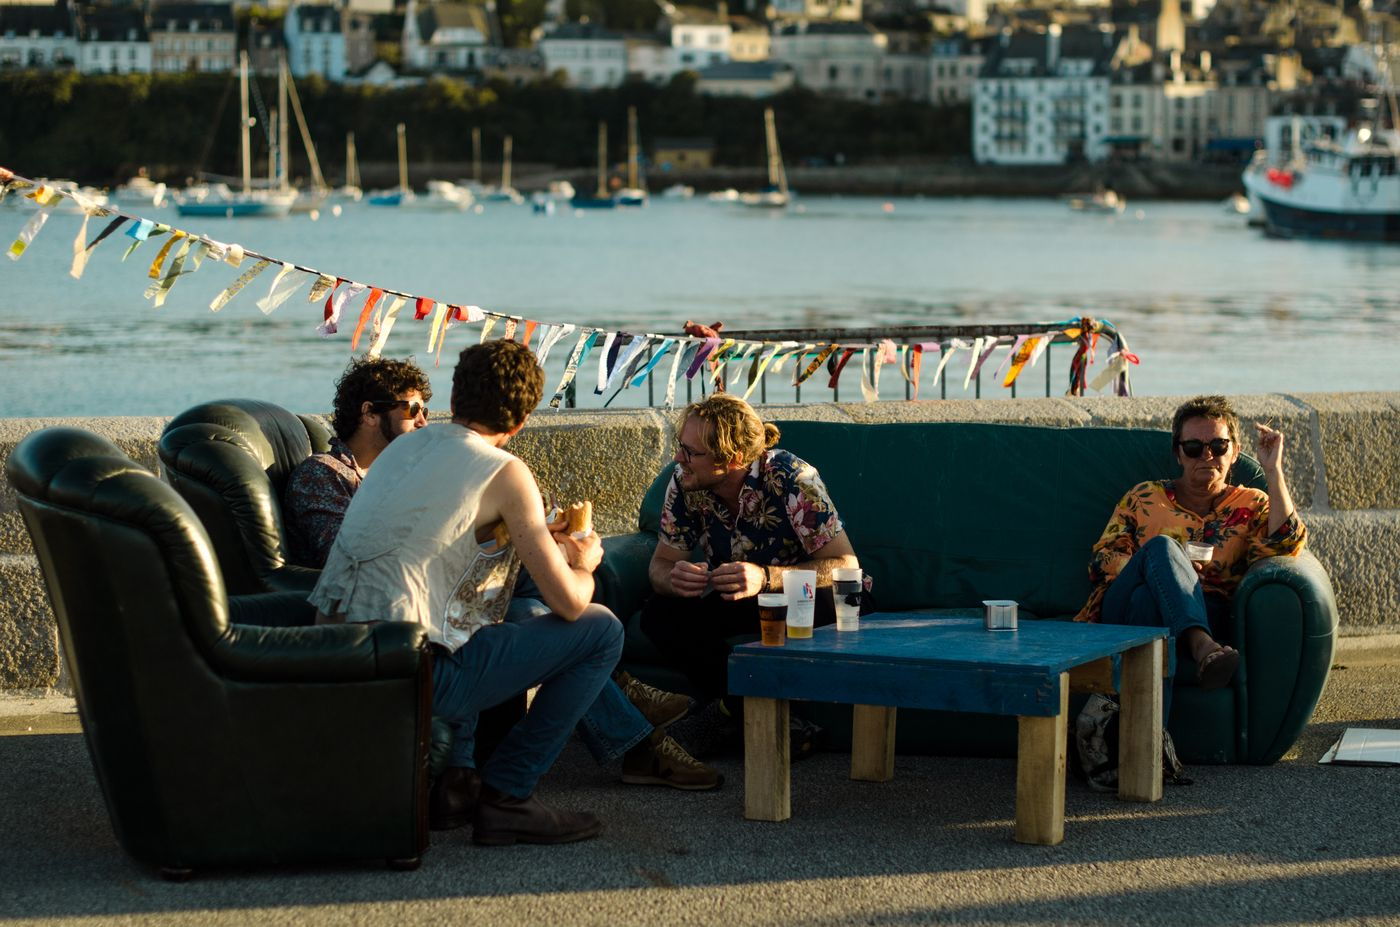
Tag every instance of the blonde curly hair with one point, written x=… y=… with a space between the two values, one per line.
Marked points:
x=732 y=429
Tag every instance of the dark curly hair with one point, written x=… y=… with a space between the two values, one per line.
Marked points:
x=1216 y=408
x=496 y=384
x=373 y=379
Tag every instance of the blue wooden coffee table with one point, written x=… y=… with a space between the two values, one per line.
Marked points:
x=954 y=664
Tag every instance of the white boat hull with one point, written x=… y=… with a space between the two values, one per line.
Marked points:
x=1322 y=203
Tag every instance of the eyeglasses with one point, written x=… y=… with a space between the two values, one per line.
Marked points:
x=412 y=407
x=687 y=454
x=1219 y=447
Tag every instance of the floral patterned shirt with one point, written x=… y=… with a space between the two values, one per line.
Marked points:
x=785 y=516
x=318 y=493
x=1237 y=527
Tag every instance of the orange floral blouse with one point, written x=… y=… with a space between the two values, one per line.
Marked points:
x=1237 y=527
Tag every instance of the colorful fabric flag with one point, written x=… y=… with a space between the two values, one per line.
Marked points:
x=233 y=288
x=585 y=343
x=382 y=331
x=283 y=286
x=375 y=294
x=656 y=356
x=27 y=234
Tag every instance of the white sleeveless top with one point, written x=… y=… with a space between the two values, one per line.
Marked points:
x=407 y=550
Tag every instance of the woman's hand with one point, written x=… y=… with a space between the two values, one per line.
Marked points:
x=1270 y=449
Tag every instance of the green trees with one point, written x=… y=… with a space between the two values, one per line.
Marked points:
x=99 y=129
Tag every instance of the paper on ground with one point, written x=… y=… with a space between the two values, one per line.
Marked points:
x=1365 y=746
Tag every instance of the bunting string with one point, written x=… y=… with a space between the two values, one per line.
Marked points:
x=625 y=359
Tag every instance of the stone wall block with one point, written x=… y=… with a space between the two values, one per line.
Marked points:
x=1361 y=551
x=1360 y=444
x=29 y=654
x=609 y=458
x=1048 y=411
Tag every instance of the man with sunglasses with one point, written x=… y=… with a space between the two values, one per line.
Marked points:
x=377 y=399
x=1174 y=551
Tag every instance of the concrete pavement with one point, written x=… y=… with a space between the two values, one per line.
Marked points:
x=1295 y=843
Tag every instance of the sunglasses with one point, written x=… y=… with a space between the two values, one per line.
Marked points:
x=687 y=454
x=1219 y=447
x=412 y=407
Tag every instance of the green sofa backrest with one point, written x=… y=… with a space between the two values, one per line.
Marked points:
x=947 y=514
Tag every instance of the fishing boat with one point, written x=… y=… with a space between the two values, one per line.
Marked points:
x=1347 y=188
x=218 y=200
x=601 y=198
x=634 y=194
x=776 y=194
x=442 y=195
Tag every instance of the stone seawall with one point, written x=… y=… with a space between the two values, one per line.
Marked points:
x=1341 y=463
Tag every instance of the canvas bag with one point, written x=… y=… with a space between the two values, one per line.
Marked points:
x=1095 y=741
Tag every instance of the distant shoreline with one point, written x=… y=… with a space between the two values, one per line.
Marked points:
x=1140 y=180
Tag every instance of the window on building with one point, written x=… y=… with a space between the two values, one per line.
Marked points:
x=832 y=73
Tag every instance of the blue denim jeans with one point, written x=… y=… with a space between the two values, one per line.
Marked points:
x=612 y=725
x=570 y=661
x=1158 y=587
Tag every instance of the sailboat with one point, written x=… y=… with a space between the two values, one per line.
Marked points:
x=504 y=193
x=634 y=194
x=441 y=194
x=775 y=195
x=217 y=199
x=601 y=198
x=350 y=190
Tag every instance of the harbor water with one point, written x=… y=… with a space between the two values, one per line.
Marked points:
x=1205 y=302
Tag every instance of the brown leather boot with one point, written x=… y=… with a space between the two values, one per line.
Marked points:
x=452 y=801
x=660 y=708
x=502 y=820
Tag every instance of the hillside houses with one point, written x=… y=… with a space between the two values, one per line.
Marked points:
x=1046 y=82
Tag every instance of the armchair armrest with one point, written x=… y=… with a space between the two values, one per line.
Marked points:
x=332 y=653
x=621 y=580
x=1285 y=623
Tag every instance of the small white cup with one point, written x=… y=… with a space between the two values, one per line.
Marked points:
x=846 y=587
x=1199 y=552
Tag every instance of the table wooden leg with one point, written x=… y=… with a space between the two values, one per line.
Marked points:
x=872 y=743
x=1040 y=774
x=1140 y=724
x=767 y=760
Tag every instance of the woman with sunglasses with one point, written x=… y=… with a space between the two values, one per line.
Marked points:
x=1141 y=569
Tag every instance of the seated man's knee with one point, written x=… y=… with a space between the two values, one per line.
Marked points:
x=1163 y=546
x=604 y=625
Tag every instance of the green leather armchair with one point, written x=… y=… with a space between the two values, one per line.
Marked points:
x=217 y=742
x=230 y=460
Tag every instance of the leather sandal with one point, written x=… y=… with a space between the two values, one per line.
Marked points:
x=1217 y=668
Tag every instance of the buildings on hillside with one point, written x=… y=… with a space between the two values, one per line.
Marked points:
x=1047 y=81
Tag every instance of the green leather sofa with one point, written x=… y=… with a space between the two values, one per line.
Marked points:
x=222 y=732
x=944 y=515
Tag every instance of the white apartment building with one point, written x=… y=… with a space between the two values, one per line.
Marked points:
x=749 y=41
x=193 y=37
x=699 y=37
x=588 y=56
x=953 y=67
x=113 y=41
x=38 y=36
x=316 y=41
x=1043 y=98
x=844 y=59
x=755 y=79
x=445 y=36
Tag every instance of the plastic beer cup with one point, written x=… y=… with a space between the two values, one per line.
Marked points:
x=772 y=618
x=800 y=588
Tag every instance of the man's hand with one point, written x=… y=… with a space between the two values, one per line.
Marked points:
x=584 y=554
x=689 y=579
x=738 y=580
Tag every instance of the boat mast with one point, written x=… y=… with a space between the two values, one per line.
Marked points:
x=246 y=151
x=602 y=160
x=318 y=180
x=352 y=163
x=505 y=163
x=777 y=177
x=403 y=159
x=284 y=147
x=632 y=147
x=476 y=155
